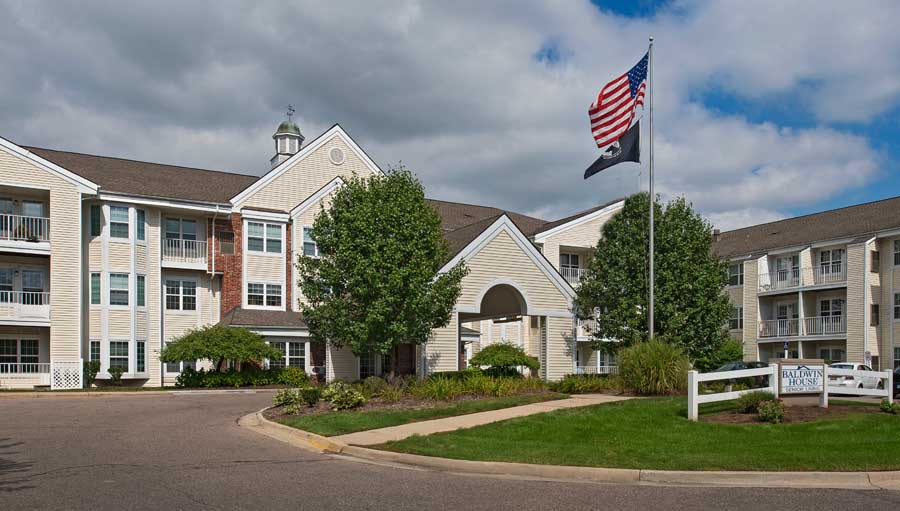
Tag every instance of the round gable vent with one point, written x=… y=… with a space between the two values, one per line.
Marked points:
x=336 y=155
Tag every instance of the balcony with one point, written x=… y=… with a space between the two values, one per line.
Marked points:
x=572 y=275
x=820 y=326
x=30 y=234
x=597 y=370
x=25 y=307
x=184 y=254
x=24 y=375
x=828 y=275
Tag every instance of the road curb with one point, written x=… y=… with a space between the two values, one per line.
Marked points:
x=807 y=480
x=129 y=393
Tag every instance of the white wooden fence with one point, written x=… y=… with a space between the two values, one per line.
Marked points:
x=695 y=378
x=885 y=377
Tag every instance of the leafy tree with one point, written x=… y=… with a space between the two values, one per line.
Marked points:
x=219 y=344
x=375 y=284
x=691 y=310
x=504 y=357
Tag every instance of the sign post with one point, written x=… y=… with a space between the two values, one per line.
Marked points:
x=803 y=376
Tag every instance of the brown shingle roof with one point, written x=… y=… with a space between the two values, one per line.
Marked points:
x=150 y=179
x=262 y=318
x=556 y=223
x=456 y=214
x=848 y=222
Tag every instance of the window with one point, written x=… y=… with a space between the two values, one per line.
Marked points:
x=177 y=367
x=141 y=291
x=368 y=365
x=736 y=321
x=736 y=275
x=833 y=355
x=264 y=237
x=293 y=354
x=896 y=358
x=28 y=351
x=181 y=229
x=896 y=252
x=96 y=220
x=141 y=225
x=310 y=248
x=833 y=307
x=8 y=353
x=95 y=289
x=118 y=222
x=876 y=262
x=873 y=315
x=268 y=295
x=569 y=261
x=95 y=351
x=896 y=305
x=32 y=287
x=118 y=289
x=140 y=356
x=226 y=242
x=181 y=295
x=118 y=354
x=6 y=285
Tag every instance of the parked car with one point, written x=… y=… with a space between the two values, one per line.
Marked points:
x=856 y=382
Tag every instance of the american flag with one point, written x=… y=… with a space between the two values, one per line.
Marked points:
x=613 y=110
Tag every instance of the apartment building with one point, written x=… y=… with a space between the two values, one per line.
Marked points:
x=108 y=259
x=818 y=286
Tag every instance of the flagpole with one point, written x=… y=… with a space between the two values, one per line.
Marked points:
x=650 y=100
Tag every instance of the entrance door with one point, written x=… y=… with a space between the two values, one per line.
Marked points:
x=787 y=315
x=787 y=271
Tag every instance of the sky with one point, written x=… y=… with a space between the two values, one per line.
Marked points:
x=762 y=109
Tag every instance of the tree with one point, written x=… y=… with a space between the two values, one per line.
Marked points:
x=375 y=284
x=503 y=358
x=691 y=310
x=219 y=344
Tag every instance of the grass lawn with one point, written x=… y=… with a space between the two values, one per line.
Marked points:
x=654 y=434
x=339 y=423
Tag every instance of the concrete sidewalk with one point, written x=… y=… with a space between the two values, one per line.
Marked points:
x=380 y=436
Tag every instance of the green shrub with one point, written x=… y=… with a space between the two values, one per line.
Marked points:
x=729 y=351
x=439 y=388
x=771 y=411
x=294 y=399
x=505 y=358
x=373 y=386
x=392 y=393
x=654 y=367
x=115 y=374
x=587 y=384
x=91 y=368
x=343 y=396
x=888 y=407
x=457 y=375
x=749 y=403
x=293 y=376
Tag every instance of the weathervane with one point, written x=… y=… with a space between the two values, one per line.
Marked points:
x=290 y=112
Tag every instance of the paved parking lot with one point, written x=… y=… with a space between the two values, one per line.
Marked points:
x=187 y=452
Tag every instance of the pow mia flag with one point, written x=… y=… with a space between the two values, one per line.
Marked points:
x=626 y=148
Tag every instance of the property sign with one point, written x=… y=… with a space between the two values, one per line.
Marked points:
x=800 y=378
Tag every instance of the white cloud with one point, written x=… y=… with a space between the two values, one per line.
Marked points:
x=453 y=90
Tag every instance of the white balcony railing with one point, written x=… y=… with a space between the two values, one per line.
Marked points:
x=834 y=273
x=781 y=279
x=597 y=370
x=586 y=327
x=24 y=369
x=24 y=228
x=779 y=328
x=572 y=275
x=824 y=325
x=184 y=251
x=28 y=305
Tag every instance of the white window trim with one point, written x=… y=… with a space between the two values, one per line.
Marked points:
x=18 y=338
x=265 y=238
x=200 y=233
x=265 y=284
x=180 y=310
x=146 y=294
x=136 y=223
x=109 y=289
x=303 y=241
x=307 y=366
x=107 y=225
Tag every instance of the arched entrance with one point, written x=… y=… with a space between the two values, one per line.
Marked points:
x=500 y=301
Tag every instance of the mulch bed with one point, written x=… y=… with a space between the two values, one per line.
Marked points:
x=376 y=403
x=791 y=414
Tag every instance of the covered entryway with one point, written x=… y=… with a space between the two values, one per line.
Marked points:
x=503 y=303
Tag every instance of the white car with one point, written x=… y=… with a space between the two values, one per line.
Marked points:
x=856 y=382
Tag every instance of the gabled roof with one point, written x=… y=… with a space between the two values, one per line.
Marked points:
x=85 y=185
x=572 y=218
x=147 y=179
x=455 y=215
x=836 y=224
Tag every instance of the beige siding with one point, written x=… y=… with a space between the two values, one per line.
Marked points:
x=751 y=309
x=94 y=320
x=154 y=299
x=119 y=256
x=65 y=250
x=307 y=177
x=95 y=252
x=561 y=356
x=441 y=351
x=119 y=323
x=262 y=268
x=342 y=364
x=307 y=218
x=584 y=235
x=856 y=302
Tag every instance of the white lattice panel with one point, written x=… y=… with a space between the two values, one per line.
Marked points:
x=66 y=374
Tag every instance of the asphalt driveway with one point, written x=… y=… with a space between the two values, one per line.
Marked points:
x=180 y=451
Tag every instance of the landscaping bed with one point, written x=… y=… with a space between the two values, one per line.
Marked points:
x=379 y=413
x=792 y=414
x=655 y=434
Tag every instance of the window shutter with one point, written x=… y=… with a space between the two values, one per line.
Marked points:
x=96 y=220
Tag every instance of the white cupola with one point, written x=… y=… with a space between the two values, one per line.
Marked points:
x=288 y=140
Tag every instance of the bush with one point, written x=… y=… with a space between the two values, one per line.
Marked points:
x=91 y=368
x=772 y=411
x=343 y=396
x=392 y=393
x=439 y=388
x=887 y=407
x=373 y=386
x=293 y=376
x=456 y=375
x=504 y=357
x=654 y=367
x=586 y=384
x=115 y=374
x=749 y=403
x=294 y=399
